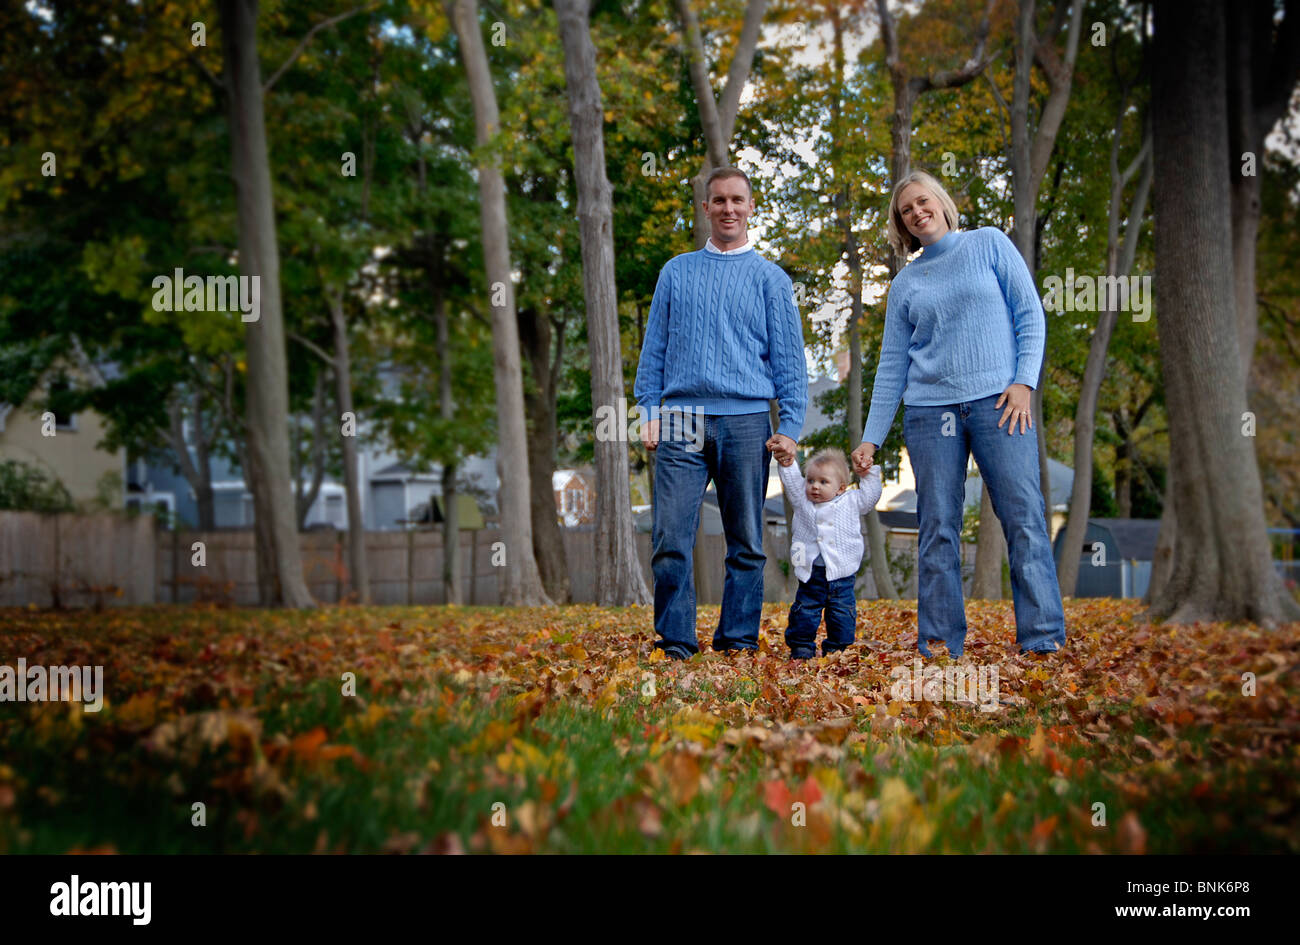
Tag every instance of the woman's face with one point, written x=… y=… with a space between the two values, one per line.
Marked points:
x=922 y=213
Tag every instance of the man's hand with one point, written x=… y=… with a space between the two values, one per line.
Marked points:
x=782 y=448
x=650 y=435
x=862 y=457
x=1017 y=399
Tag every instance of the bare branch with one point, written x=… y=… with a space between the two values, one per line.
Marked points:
x=313 y=347
x=302 y=43
x=708 y=106
x=741 y=62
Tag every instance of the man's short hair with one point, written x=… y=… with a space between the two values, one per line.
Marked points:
x=721 y=173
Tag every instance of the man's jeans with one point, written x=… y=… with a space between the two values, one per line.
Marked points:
x=806 y=613
x=939 y=439
x=732 y=453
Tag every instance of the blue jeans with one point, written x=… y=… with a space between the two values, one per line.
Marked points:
x=841 y=607
x=731 y=453
x=939 y=439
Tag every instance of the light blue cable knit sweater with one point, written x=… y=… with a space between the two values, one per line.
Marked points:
x=724 y=336
x=963 y=321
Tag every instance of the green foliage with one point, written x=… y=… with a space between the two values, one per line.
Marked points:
x=27 y=488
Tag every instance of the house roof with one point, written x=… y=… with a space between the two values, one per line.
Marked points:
x=562 y=477
x=401 y=472
x=814 y=419
x=1135 y=538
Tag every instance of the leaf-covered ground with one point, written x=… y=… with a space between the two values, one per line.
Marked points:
x=496 y=730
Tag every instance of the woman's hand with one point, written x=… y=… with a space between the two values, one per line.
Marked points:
x=1017 y=399
x=862 y=457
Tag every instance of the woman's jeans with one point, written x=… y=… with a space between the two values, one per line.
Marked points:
x=731 y=451
x=815 y=595
x=939 y=439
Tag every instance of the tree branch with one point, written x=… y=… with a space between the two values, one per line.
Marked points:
x=708 y=106
x=741 y=62
x=302 y=43
x=313 y=347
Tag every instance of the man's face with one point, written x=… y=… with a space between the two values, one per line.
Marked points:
x=728 y=209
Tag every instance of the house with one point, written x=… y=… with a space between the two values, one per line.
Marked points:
x=897 y=506
x=575 y=497
x=711 y=516
x=1115 y=559
x=899 y=494
x=65 y=445
x=396 y=494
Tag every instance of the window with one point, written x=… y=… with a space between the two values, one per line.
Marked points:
x=64 y=419
x=575 y=501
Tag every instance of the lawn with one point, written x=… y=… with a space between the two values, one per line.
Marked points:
x=554 y=730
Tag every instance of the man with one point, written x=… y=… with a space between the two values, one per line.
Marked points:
x=724 y=338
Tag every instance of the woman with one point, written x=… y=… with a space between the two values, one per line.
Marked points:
x=963 y=346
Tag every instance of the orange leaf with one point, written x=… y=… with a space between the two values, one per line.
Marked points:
x=809 y=792
x=1044 y=828
x=776 y=797
x=306 y=746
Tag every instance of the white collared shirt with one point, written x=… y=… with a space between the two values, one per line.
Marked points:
x=832 y=528
x=746 y=247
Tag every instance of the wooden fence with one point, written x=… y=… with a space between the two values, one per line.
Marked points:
x=106 y=559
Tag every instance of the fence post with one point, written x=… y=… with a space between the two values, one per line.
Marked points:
x=410 y=566
x=473 y=564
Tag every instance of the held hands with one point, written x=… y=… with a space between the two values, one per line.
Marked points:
x=782 y=448
x=862 y=457
x=1017 y=399
x=650 y=435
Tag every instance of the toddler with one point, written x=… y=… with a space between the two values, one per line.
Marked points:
x=826 y=549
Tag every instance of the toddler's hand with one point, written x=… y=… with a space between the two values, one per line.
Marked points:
x=782 y=447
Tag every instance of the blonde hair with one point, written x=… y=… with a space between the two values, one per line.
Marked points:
x=900 y=238
x=829 y=457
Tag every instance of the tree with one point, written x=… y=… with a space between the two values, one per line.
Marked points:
x=1221 y=565
x=522 y=582
x=1030 y=150
x=907 y=89
x=1119 y=262
x=618 y=570
x=717 y=117
x=1263 y=66
x=267 y=451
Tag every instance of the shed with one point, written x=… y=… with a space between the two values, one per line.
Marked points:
x=1115 y=560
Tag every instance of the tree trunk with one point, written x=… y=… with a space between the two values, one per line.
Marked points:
x=619 y=581
x=907 y=89
x=521 y=583
x=990 y=551
x=718 y=122
x=450 y=536
x=304 y=499
x=351 y=470
x=1119 y=263
x=539 y=405
x=197 y=472
x=259 y=257
x=1162 y=560
x=880 y=573
x=1031 y=150
x=447 y=410
x=1222 y=562
x=264 y=549
x=1123 y=468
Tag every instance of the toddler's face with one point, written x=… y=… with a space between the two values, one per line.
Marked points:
x=822 y=483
